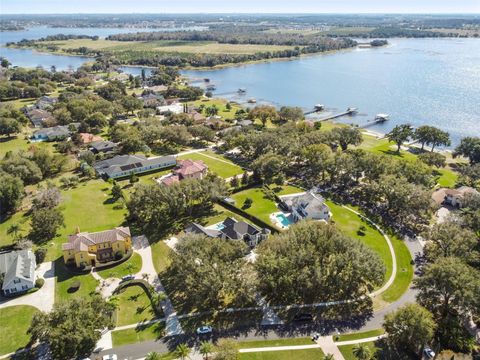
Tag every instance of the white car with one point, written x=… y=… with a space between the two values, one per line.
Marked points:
x=205 y=329
x=110 y=357
x=429 y=353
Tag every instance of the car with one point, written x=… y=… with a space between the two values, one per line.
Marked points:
x=128 y=277
x=429 y=353
x=303 y=317
x=204 y=329
x=109 y=357
x=315 y=336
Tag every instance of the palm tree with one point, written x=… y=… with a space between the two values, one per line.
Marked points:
x=362 y=352
x=182 y=351
x=153 y=356
x=328 y=357
x=14 y=229
x=205 y=349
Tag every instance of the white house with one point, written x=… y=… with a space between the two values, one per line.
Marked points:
x=309 y=205
x=18 y=269
x=175 y=108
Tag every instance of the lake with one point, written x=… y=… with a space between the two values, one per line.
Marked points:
x=420 y=81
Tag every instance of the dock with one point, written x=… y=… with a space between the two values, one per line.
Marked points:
x=349 y=111
x=379 y=119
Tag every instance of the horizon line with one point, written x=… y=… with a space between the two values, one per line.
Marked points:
x=247 y=13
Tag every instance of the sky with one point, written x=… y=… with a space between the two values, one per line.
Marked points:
x=238 y=6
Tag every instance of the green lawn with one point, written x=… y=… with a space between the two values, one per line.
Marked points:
x=131 y=266
x=134 y=306
x=139 y=334
x=447 y=177
x=261 y=206
x=220 y=104
x=216 y=163
x=349 y=223
x=359 y=335
x=160 y=252
x=306 y=354
x=276 y=342
x=64 y=280
x=17 y=143
x=347 y=350
x=15 y=321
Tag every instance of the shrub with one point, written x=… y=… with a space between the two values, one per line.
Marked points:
x=118 y=255
x=40 y=254
x=39 y=282
x=74 y=286
x=247 y=203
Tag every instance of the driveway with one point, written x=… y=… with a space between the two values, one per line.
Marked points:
x=42 y=299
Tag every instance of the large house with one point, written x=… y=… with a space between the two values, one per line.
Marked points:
x=39 y=117
x=186 y=169
x=174 y=108
x=18 y=269
x=104 y=146
x=87 y=138
x=454 y=197
x=88 y=249
x=125 y=165
x=54 y=133
x=232 y=229
x=309 y=205
x=45 y=102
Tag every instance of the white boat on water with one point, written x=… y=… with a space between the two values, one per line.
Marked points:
x=382 y=117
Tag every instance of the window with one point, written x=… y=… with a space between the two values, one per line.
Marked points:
x=16 y=281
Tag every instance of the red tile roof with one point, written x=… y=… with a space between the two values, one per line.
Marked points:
x=81 y=241
x=190 y=167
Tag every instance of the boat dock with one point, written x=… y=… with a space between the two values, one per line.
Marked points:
x=379 y=119
x=349 y=111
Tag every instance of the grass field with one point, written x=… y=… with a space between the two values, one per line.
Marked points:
x=359 y=335
x=139 y=334
x=15 y=321
x=166 y=46
x=65 y=279
x=276 y=342
x=220 y=104
x=131 y=266
x=217 y=164
x=307 y=354
x=160 y=252
x=261 y=206
x=347 y=350
x=134 y=306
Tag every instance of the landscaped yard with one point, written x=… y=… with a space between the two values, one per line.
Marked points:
x=347 y=350
x=160 y=252
x=220 y=104
x=359 y=335
x=14 y=323
x=217 y=164
x=139 y=334
x=305 y=354
x=261 y=206
x=276 y=342
x=131 y=266
x=134 y=306
x=65 y=279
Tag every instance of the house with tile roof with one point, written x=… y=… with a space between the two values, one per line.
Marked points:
x=18 y=269
x=185 y=169
x=87 y=138
x=89 y=249
x=454 y=197
x=231 y=229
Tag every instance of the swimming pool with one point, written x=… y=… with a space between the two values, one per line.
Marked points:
x=285 y=221
x=218 y=226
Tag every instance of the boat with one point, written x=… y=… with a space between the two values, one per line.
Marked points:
x=242 y=90
x=252 y=101
x=319 y=107
x=382 y=117
x=352 y=110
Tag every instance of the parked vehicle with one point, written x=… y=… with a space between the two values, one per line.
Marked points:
x=204 y=329
x=128 y=277
x=429 y=353
x=315 y=337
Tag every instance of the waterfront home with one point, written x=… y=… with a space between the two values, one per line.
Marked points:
x=454 y=197
x=18 y=270
x=185 y=169
x=231 y=229
x=309 y=205
x=39 y=117
x=55 y=133
x=89 y=249
x=152 y=100
x=197 y=117
x=125 y=165
x=104 y=146
x=174 y=108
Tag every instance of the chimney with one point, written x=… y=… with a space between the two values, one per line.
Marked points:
x=77 y=231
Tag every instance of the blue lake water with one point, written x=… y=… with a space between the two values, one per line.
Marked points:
x=420 y=81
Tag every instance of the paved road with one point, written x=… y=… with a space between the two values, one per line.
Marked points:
x=135 y=351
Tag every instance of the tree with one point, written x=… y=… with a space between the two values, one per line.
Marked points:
x=245 y=178
x=131 y=103
x=48 y=197
x=45 y=223
x=439 y=138
x=73 y=327
x=22 y=167
x=268 y=168
x=433 y=159
x=234 y=181
x=264 y=113
x=362 y=352
x=470 y=148
x=410 y=327
x=226 y=349
x=304 y=265
x=15 y=230
x=318 y=158
x=431 y=135
x=11 y=192
x=206 y=349
x=211 y=110
x=182 y=351
x=116 y=192
x=133 y=178
x=9 y=126
x=290 y=113
x=400 y=134
x=348 y=135
x=328 y=357
x=153 y=355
